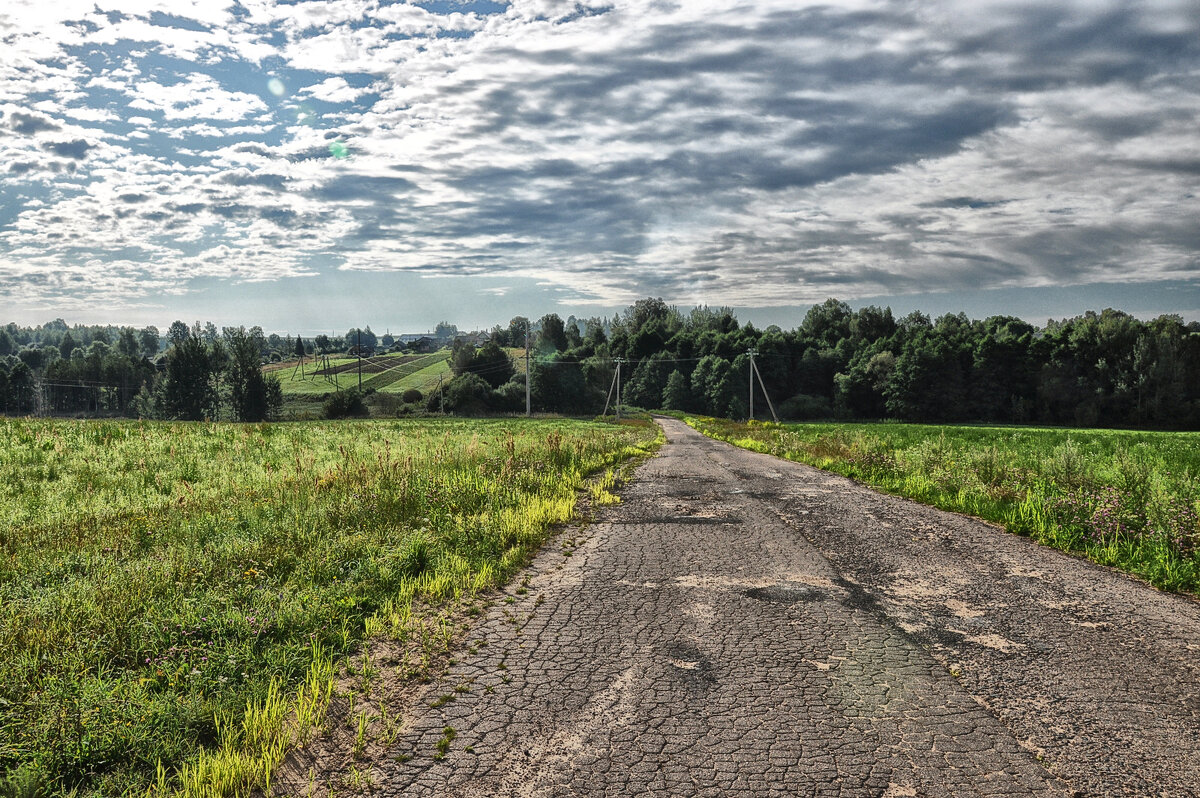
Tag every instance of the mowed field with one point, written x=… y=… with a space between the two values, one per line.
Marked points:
x=174 y=597
x=1121 y=498
x=387 y=373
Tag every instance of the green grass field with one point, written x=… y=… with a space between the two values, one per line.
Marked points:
x=174 y=597
x=1126 y=499
x=420 y=372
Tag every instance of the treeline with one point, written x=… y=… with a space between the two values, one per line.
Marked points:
x=1098 y=369
x=221 y=378
x=105 y=370
x=84 y=369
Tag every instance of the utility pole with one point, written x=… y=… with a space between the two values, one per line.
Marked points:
x=751 y=353
x=360 y=359
x=608 y=396
x=527 y=404
x=753 y=373
x=619 y=362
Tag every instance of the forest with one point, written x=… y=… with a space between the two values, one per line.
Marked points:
x=1105 y=368
x=1097 y=369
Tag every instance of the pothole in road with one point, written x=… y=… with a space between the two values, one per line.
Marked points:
x=694 y=667
x=785 y=593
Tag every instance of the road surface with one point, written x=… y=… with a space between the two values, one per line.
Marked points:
x=742 y=625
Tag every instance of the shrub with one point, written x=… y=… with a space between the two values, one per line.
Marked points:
x=510 y=397
x=412 y=396
x=804 y=406
x=345 y=404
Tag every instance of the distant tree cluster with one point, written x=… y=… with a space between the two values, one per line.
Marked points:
x=221 y=378
x=81 y=369
x=189 y=373
x=1107 y=368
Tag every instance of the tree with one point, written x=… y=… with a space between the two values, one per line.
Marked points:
x=860 y=388
x=518 y=328
x=345 y=404
x=177 y=333
x=67 y=345
x=443 y=331
x=254 y=396
x=553 y=335
x=712 y=385
x=828 y=323
x=648 y=381
x=594 y=334
x=148 y=339
x=300 y=347
x=466 y=394
x=870 y=323
x=571 y=329
x=323 y=343
x=676 y=395
x=20 y=387
x=127 y=342
x=360 y=337
x=488 y=361
x=188 y=392
x=927 y=382
x=559 y=386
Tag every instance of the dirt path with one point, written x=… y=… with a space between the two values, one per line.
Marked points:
x=746 y=626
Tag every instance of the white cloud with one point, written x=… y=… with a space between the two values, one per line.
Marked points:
x=199 y=96
x=333 y=90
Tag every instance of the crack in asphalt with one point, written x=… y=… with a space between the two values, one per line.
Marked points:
x=741 y=625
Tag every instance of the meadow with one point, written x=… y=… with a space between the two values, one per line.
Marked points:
x=1125 y=499
x=387 y=373
x=175 y=598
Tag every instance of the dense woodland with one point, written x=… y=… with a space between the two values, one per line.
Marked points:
x=1098 y=369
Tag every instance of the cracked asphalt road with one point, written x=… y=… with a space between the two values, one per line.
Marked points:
x=742 y=625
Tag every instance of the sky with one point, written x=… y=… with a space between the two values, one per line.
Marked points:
x=308 y=166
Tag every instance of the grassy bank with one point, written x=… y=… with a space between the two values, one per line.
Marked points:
x=173 y=597
x=1125 y=499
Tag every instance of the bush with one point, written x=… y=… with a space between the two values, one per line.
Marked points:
x=345 y=404
x=412 y=396
x=804 y=406
x=510 y=397
x=386 y=404
x=466 y=394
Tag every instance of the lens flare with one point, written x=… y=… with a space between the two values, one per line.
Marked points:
x=305 y=115
x=339 y=150
x=275 y=86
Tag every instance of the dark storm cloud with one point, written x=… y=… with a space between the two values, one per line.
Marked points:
x=76 y=150
x=262 y=180
x=29 y=125
x=1049 y=46
x=383 y=190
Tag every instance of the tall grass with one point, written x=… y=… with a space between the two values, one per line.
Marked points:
x=1126 y=499
x=173 y=596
